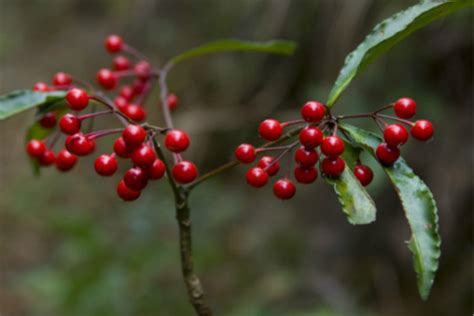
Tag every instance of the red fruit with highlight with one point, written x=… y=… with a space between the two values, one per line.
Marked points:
x=35 y=148
x=133 y=135
x=405 y=108
x=121 y=63
x=121 y=149
x=270 y=129
x=386 y=154
x=77 y=99
x=184 y=172
x=143 y=70
x=135 y=112
x=125 y=193
x=65 y=160
x=136 y=178
x=257 y=177
x=306 y=157
x=245 y=153
x=284 y=189
x=79 y=144
x=313 y=111
x=395 y=134
x=106 y=78
x=113 y=43
x=311 y=137
x=41 y=87
x=332 y=146
x=143 y=156
x=62 y=79
x=265 y=163
x=364 y=174
x=106 y=165
x=332 y=167
x=176 y=140
x=305 y=175
x=422 y=130
x=127 y=92
x=70 y=124
x=157 y=170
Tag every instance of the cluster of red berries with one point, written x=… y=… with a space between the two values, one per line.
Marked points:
x=395 y=135
x=311 y=145
x=130 y=95
x=135 y=142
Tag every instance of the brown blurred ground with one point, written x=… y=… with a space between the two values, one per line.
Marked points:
x=68 y=246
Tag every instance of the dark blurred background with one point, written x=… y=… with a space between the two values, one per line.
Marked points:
x=69 y=246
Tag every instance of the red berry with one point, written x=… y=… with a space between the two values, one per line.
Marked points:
x=332 y=167
x=265 y=163
x=332 y=146
x=133 y=135
x=257 y=177
x=65 y=160
x=41 y=87
x=113 y=43
x=157 y=170
x=422 y=130
x=284 y=189
x=270 y=129
x=143 y=69
x=120 y=103
x=127 y=92
x=405 y=108
x=139 y=85
x=48 y=120
x=305 y=175
x=77 y=99
x=306 y=157
x=106 y=78
x=121 y=63
x=121 y=149
x=35 y=148
x=79 y=144
x=143 y=156
x=135 y=112
x=47 y=158
x=106 y=165
x=387 y=155
x=364 y=174
x=311 y=137
x=313 y=111
x=245 y=153
x=395 y=134
x=125 y=193
x=172 y=101
x=184 y=172
x=62 y=79
x=136 y=178
x=70 y=124
x=176 y=140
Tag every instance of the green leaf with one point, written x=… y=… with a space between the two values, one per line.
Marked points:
x=420 y=210
x=232 y=45
x=355 y=201
x=388 y=33
x=22 y=100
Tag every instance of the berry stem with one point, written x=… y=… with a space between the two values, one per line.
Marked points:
x=383 y=108
x=134 y=52
x=98 y=134
x=191 y=280
x=94 y=114
x=282 y=154
x=393 y=118
x=289 y=123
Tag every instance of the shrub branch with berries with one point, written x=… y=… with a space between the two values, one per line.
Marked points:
x=317 y=143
